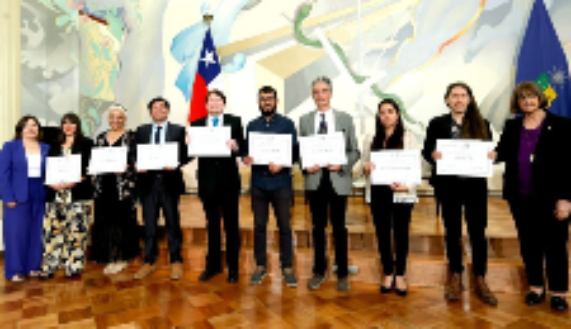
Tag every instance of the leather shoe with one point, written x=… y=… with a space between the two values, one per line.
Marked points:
x=232 y=276
x=532 y=298
x=208 y=274
x=559 y=303
x=453 y=289
x=484 y=293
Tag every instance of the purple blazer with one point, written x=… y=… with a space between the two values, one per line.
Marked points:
x=14 y=171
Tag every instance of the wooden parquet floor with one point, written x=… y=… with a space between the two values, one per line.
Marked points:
x=98 y=301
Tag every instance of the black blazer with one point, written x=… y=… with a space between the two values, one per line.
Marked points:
x=439 y=128
x=551 y=168
x=82 y=191
x=174 y=180
x=217 y=175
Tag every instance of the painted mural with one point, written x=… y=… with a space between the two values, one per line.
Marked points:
x=83 y=55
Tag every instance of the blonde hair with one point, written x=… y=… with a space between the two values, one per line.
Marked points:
x=118 y=107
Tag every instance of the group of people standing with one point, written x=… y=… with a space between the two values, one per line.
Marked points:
x=537 y=186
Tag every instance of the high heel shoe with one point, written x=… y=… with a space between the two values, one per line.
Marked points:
x=401 y=292
x=389 y=289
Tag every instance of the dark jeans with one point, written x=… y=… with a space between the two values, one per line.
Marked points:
x=280 y=200
x=542 y=237
x=225 y=204
x=392 y=222
x=159 y=198
x=322 y=201
x=472 y=194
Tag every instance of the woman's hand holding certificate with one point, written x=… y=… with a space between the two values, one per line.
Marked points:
x=468 y=158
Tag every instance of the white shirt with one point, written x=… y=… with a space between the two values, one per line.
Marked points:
x=329 y=118
x=164 y=126
x=34 y=165
x=220 y=120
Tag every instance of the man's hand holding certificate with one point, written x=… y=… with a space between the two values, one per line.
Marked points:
x=391 y=167
x=108 y=160
x=157 y=156
x=467 y=158
x=270 y=148
x=63 y=170
x=209 y=141
x=323 y=150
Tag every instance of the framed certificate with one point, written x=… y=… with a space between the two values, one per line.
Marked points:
x=323 y=150
x=468 y=158
x=108 y=160
x=209 y=142
x=266 y=148
x=157 y=157
x=396 y=166
x=63 y=170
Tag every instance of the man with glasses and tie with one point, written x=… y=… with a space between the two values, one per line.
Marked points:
x=328 y=187
x=161 y=189
x=219 y=189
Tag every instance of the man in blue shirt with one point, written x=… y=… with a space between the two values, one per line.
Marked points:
x=272 y=184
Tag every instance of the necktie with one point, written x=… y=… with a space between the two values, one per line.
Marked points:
x=215 y=122
x=323 y=125
x=158 y=135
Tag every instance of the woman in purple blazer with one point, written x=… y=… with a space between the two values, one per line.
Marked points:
x=22 y=167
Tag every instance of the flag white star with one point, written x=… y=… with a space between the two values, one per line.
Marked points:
x=208 y=58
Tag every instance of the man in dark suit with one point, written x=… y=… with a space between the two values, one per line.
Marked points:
x=219 y=189
x=161 y=189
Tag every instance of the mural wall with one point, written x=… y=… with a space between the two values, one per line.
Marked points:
x=83 y=55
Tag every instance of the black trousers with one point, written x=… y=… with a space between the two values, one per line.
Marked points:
x=153 y=201
x=542 y=237
x=472 y=195
x=322 y=201
x=280 y=199
x=392 y=222
x=225 y=205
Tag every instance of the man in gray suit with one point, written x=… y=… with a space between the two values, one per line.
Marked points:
x=328 y=187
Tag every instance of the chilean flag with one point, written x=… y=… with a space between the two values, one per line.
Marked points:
x=208 y=70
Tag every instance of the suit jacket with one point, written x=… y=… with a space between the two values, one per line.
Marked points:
x=14 y=171
x=83 y=190
x=439 y=128
x=216 y=175
x=551 y=167
x=342 y=180
x=174 y=180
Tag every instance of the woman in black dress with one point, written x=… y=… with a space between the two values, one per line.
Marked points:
x=115 y=239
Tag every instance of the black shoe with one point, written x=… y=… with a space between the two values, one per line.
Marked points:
x=387 y=290
x=232 y=276
x=401 y=293
x=559 y=303
x=46 y=276
x=208 y=274
x=72 y=275
x=532 y=298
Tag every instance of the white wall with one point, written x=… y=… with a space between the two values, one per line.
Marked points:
x=10 y=87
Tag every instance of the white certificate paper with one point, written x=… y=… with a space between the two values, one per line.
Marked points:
x=108 y=160
x=266 y=148
x=401 y=166
x=209 y=141
x=463 y=157
x=63 y=170
x=323 y=150
x=157 y=156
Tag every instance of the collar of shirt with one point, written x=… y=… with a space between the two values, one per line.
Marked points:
x=329 y=118
x=220 y=120
x=164 y=127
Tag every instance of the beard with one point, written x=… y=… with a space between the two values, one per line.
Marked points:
x=268 y=113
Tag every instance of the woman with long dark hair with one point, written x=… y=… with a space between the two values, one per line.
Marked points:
x=68 y=206
x=22 y=168
x=456 y=192
x=391 y=205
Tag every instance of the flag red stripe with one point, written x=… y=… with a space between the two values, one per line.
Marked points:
x=198 y=101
